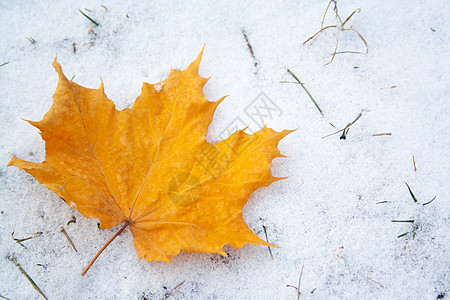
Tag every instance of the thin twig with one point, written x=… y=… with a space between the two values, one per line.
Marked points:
x=380 y=134
x=346 y=127
x=326 y=11
x=250 y=49
x=69 y=239
x=360 y=35
x=19 y=241
x=5 y=63
x=14 y=260
x=402 y=221
x=168 y=294
x=414 y=163
x=299 y=282
x=267 y=240
x=375 y=282
x=335 y=50
x=340 y=27
x=351 y=52
x=336 y=11
x=358 y=10
x=319 y=32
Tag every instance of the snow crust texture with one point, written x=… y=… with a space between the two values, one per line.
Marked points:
x=332 y=216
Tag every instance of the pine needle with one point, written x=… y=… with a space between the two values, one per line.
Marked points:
x=429 y=201
x=412 y=194
x=303 y=86
x=89 y=18
x=14 y=261
x=267 y=240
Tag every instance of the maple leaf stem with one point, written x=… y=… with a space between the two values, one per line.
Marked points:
x=104 y=247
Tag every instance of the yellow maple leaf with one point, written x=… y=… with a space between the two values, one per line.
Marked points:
x=150 y=167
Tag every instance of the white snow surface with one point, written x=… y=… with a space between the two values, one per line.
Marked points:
x=326 y=216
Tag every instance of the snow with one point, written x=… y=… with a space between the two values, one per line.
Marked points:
x=331 y=216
